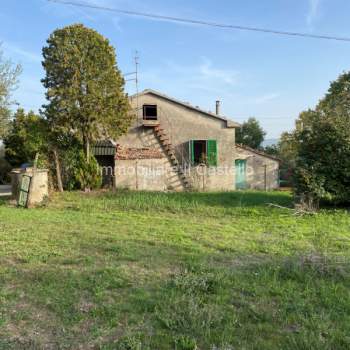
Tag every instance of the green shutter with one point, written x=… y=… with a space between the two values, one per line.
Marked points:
x=191 y=151
x=241 y=168
x=212 y=153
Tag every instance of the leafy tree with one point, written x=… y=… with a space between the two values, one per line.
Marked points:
x=273 y=150
x=85 y=89
x=287 y=149
x=8 y=81
x=77 y=173
x=25 y=138
x=250 y=133
x=322 y=137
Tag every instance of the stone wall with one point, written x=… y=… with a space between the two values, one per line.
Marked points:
x=39 y=186
x=142 y=164
x=262 y=172
x=182 y=124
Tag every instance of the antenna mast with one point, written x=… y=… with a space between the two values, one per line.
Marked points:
x=135 y=78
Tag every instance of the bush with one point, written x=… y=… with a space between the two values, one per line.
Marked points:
x=322 y=137
x=5 y=168
x=78 y=173
x=27 y=136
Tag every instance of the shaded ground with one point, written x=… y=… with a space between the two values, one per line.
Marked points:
x=173 y=271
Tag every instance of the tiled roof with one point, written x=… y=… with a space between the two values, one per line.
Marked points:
x=129 y=153
x=256 y=151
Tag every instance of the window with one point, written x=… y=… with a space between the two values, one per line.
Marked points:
x=150 y=112
x=203 y=152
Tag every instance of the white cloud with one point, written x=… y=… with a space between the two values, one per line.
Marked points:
x=314 y=6
x=117 y=24
x=266 y=98
x=204 y=76
x=17 y=50
x=200 y=83
x=208 y=72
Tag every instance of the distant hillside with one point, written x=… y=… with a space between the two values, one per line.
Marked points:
x=270 y=142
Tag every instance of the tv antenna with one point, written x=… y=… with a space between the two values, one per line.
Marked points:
x=135 y=74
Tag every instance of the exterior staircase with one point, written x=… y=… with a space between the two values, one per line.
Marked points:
x=170 y=151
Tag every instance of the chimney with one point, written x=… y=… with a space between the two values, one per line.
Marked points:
x=217 y=109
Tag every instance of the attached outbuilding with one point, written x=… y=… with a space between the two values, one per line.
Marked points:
x=256 y=169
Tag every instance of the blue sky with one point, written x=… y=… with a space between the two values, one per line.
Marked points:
x=254 y=74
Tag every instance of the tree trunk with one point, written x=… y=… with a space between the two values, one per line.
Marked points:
x=87 y=150
x=87 y=147
x=58 y=170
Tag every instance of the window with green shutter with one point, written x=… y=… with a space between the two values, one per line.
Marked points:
x=203 y=152
x=191 y=151
x=212 y=156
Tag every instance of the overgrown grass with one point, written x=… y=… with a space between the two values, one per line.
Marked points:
x=134 y=270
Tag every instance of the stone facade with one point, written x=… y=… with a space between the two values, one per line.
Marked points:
x=39 y=186
x=262 y=170
x=142 y=164
x=181 y=123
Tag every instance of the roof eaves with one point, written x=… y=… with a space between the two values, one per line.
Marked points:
x=260 y=153
x=229 y=123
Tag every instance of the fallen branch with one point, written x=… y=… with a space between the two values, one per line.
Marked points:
x=295 y=211
x=278 y=206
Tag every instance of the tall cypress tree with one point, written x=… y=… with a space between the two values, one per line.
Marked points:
x=85 y=88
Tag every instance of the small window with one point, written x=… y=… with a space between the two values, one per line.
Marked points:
x=150 y=112
x=203 y=152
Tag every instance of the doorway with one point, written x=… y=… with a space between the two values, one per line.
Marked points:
x=241 y=169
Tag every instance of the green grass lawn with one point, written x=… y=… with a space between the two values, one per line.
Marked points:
x=181 y=271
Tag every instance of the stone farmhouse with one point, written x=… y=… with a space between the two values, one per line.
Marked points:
x=173 y=145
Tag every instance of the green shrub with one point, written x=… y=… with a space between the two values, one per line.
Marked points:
x=322 y=137
x=26 y=137
x=5 y=168
x=78 y=173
